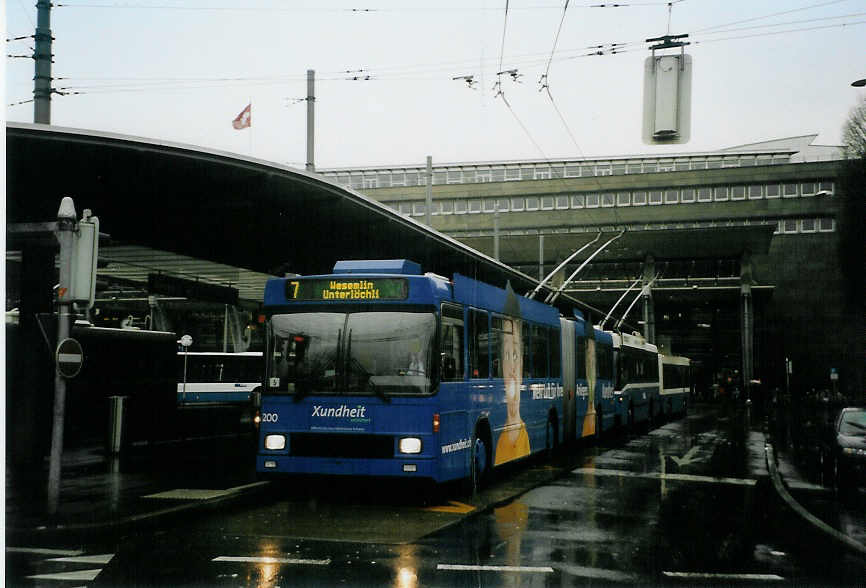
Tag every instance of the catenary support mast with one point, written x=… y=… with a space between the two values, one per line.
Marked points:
x=42 y=56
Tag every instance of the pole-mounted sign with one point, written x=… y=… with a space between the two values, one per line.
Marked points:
x=68 y=358
x=84 y=260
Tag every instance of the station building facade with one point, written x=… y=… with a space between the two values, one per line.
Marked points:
x=734 y=252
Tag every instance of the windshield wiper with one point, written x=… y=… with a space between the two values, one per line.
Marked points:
x=380 y=392
x=338 y=364
x=347 y=368
x=365 y=380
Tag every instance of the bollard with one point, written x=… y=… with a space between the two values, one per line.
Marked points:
x=116 y=421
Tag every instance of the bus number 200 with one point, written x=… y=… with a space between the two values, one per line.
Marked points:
x=270 y=417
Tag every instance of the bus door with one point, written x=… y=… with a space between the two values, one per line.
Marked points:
x=455 y=434
x=569 y=399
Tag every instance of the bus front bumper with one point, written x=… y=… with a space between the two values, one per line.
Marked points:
x=404 y=467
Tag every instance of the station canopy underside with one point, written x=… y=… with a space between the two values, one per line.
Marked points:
x=215 y=216
x=234 y=221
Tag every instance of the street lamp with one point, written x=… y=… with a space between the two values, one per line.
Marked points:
x=185 y=341
x=859 y=83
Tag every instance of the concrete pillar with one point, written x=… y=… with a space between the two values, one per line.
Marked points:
x=311 y=120
x=747 y=323
x=428 y=199
x=495 y=233
x=540 y=257
x=558 y=278
x=649 y=314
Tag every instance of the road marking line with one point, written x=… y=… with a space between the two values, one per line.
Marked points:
x=708 y=576
x=103 y=558
x=42 y=551
x=688 y=458
x=273 y=560
x=666 y=476
x=452 y=507
x=476 y=568
x=189 y=494
x=201 y=493
x=70 y=576
x=596 y=573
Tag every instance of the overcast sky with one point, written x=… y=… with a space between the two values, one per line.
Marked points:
x=182 y=70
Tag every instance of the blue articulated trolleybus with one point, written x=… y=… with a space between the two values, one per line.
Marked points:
x=381 y=370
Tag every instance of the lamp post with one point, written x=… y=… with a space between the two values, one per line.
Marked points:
x=65 y=236
x=185 y=341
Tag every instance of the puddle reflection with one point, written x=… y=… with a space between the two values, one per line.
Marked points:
x=406 y=566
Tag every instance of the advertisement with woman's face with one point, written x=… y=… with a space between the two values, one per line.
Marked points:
x=589 y=418
x=512 y=368
x=513 y=441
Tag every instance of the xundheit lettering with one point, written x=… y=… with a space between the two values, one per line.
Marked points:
x=342 y=411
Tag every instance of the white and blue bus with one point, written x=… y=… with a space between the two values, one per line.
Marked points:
x=675 y=384
x=214 y=378
x=637 y=379
x=381 y=370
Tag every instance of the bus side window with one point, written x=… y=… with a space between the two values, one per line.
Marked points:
x=652 y=370
x=526 y=341
x=479 y=340
x=451 y=345
x=580 y=359
x=555 y=357
x=604 y=362
x=497 y=343
x=539 y=352
x=624 y=370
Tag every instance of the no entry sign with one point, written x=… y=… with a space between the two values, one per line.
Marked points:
x=69 y=358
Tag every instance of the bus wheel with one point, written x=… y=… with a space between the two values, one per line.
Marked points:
x=478 y=466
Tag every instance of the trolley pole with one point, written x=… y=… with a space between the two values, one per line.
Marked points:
x=65 y=231
x=42 y=57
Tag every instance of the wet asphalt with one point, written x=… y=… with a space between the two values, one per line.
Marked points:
x=687 y=502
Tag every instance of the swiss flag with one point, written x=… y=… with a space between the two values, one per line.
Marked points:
x=244 y=119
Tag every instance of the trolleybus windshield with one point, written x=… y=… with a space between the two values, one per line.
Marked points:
x=382 y=353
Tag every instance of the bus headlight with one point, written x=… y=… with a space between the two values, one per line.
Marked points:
x=275 y=442
x=410 y=445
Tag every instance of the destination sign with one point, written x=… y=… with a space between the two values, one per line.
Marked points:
x=348 y=289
